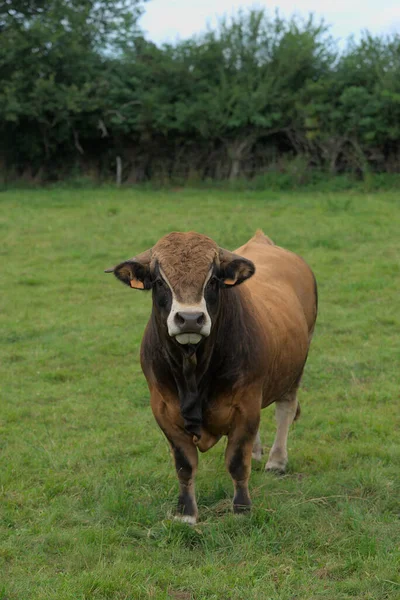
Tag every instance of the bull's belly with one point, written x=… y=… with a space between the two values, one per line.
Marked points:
x=276 y=387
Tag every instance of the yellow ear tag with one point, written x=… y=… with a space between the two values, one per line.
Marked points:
x=230 y=281
x=136 y=284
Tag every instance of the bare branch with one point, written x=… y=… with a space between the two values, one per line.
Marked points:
x=118 y=177
x=101 y=125
x=77 y=143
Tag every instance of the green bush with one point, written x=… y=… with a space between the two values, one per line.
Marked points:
x=257 y=98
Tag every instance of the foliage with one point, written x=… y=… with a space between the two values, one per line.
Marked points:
x=356 y=111
x=87 y=485
x=81 y=86
x=52 y=71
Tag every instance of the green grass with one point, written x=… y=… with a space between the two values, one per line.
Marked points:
x=86 y=481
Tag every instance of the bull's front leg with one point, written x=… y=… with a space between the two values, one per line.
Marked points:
x=186 y=459
x=238 y=458
x=182 y=439
x=184 y=453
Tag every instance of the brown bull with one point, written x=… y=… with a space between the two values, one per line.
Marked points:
x=215 y=352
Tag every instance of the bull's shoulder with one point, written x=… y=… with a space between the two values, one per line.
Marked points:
x=283 y=283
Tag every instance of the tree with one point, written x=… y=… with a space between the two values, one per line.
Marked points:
x=81 y=87
x=248 y=75
x=52 y=59
x=353 y=111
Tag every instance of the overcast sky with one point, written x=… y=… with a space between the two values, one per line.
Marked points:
x=167 y=20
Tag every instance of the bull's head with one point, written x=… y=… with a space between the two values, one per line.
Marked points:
x=186 y=272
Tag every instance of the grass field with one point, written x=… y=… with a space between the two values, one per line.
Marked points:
x=86 y=481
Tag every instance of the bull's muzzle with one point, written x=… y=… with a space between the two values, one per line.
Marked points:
x=189 y=326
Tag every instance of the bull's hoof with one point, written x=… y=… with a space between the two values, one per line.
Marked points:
x=186 y=510
x=241 y=502
x=275 y=466
x=189 y=519
x=257 y=455
x=241 y=509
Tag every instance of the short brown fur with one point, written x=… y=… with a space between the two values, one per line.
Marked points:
x=185 y=259
x=254 y=356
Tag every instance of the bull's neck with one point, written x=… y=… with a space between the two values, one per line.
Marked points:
x=228 y=343
x=199 y=373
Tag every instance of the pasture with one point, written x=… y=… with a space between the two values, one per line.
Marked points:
x=87 y=484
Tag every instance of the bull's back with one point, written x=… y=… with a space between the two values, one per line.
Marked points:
x=280 y=276
x=283 y=293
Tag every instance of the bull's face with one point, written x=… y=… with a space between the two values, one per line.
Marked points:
x=186 y=272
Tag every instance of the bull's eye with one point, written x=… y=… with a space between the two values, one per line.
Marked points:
x=211 y=292
x=162 y=293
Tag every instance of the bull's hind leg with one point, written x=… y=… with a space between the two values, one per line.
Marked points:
x=257 y=448
x=285 y=413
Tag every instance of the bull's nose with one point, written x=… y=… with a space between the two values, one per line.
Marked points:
x=190 y=322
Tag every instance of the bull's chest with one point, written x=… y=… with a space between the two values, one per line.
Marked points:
x=217 y=421
x=217 y=415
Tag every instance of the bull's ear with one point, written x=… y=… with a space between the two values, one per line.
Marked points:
x=134 y=272
x=234 y=268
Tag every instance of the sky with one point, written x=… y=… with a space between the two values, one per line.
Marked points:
x=169 y=20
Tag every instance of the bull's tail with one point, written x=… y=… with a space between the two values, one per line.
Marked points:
x=298 y=412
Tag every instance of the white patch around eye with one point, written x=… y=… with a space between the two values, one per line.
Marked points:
x=177 y=306
x=188 y=338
